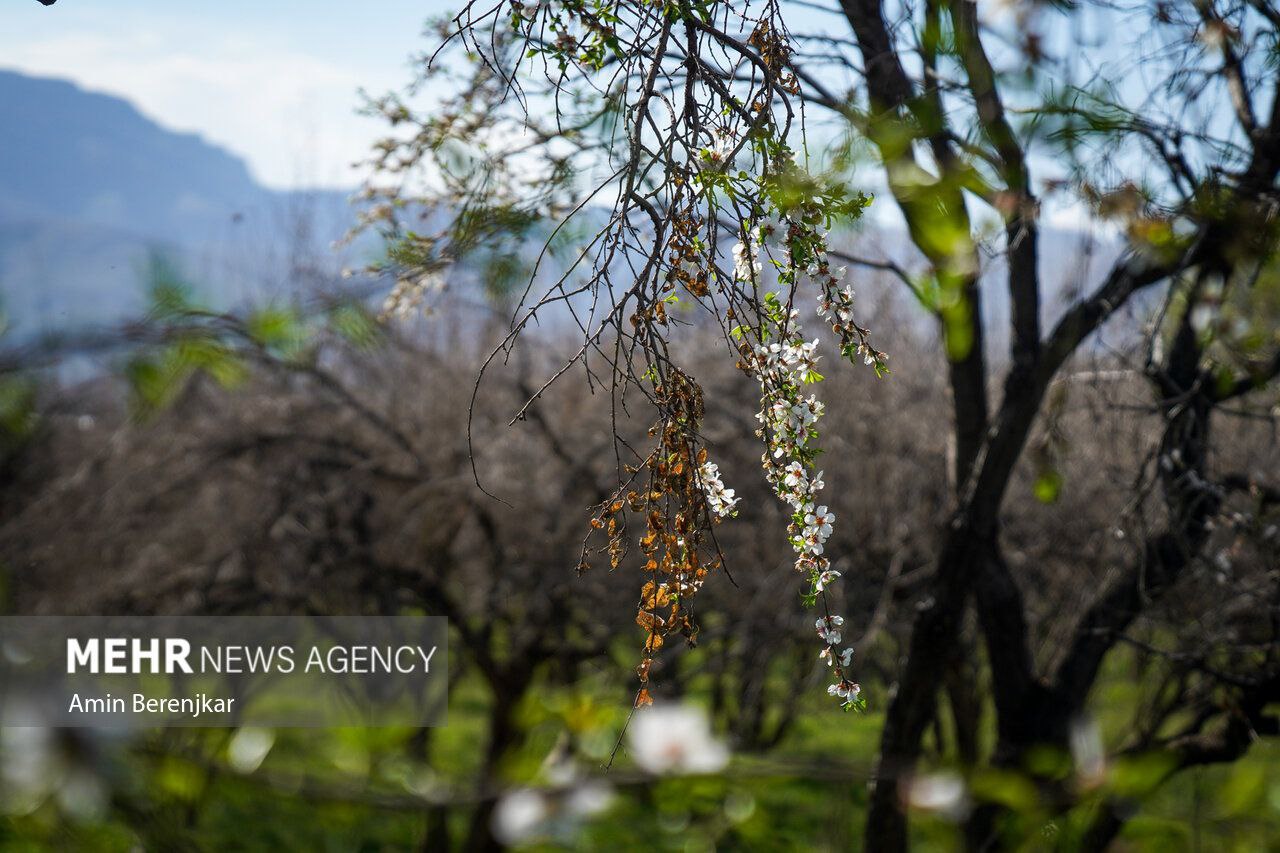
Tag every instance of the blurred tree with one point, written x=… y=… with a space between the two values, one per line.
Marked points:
x=654 y=132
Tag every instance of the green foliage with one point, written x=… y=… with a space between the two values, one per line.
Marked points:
x=354 y=324
x=1048 y=485
x=18 y=418
x=367 y=789
x=278 y=330
x=185 y=347
x=184 y=340
x=157 y=376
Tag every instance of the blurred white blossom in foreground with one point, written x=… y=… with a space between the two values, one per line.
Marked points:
x=1088 y=754
x=35 y=766
x=675 y=739
x=519 y=815
x=940 y=793
x=249 y=747
x=526 y=814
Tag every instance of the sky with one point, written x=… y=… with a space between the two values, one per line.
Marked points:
x=275 y=82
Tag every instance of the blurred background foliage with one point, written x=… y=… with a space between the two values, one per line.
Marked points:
x=307 y=455
x=319 y=451
x=356 y=789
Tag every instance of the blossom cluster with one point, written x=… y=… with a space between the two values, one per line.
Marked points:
x=721 y=500
x=835 y=305
x=746 y=260
x=785 y=364
x=410 y=294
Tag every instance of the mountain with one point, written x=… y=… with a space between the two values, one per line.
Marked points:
x=89 y=187
x=74 y=155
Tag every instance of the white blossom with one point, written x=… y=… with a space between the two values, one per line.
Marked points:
x=675 y=739
x=519 y=815
x=941 y=793
x=526 y=814
x=784 y=363
x=410 y=294
x=725 y=144
x=829 y=629
x=746 y=262
x=828 y=654
x=249 y=747
x=818 y=523
x=721 y=500
x=846 y=690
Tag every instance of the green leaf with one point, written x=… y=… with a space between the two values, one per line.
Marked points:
x=354 y=324
x=1048 y=486
x=18 y=419
x=276 y=328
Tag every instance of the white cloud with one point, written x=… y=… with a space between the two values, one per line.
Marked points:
x=291 y=114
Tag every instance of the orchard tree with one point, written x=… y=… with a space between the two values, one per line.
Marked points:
x=682 y=166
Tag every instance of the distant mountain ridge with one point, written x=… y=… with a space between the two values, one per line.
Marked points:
x=89 y=186
x=76 y=155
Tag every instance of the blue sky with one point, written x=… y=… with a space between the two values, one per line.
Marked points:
x=276 y=82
